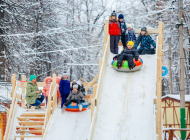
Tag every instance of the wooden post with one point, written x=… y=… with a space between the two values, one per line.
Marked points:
x=170 y=135
x=13 y=82
x=92 y=82
x=49 y=107
x=92 y=107
x=106 y=29
x=170 y=65
x=8 y=111
x=94 y=90
x=53 y=83
x=100 y=64
x=43 y=131
x=0 y=134
x=23 y=85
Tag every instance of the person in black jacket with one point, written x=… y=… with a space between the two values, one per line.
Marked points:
x=127 y=54
x=123 y=28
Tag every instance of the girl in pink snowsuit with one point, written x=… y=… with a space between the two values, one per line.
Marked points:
x=46 y=88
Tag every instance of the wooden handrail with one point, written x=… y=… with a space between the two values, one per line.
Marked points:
x=11 y=113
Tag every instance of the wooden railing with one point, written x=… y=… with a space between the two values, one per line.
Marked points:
x=11 y=114
x=51 y=105
x=97 y=88
x=172 y=134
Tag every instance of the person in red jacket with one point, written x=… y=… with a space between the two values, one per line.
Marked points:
x=114 y=32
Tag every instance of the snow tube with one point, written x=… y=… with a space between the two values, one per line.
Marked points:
x=125 y=67
x=74 y=107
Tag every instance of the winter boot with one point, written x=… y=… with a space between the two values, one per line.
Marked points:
x=132 y=66
x=38 y=107
x=29 y=106
x=80 y=107
x=63 y=109
x=119 y=64
x=89 y=104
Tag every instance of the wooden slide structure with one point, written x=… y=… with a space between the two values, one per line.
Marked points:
x=119 y=110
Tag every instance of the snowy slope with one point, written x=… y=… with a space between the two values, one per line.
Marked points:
x=125 y=106
x=69 y=126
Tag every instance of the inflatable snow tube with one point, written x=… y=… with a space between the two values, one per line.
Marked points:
x=125 y=67
x=74 y=107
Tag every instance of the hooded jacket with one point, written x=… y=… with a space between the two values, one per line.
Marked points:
x=114 y=26
x=75 y=96
x=131 y=35
x=64 y=87
x=46 y=88
x=31 y=95
x=145 y=41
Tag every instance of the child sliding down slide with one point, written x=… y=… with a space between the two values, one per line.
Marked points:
x=127 y=54
x=76 y=97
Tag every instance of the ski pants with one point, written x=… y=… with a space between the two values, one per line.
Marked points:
x=69 y=101
x=38 y=101
x=128 y=57
x=146 y=51
x=123 y=40
x=63 y=100
x=114 y=44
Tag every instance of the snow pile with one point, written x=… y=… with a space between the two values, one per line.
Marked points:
x=125 y=106
x=177 y=97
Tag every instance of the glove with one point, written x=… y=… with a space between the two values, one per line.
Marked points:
x=136 y=58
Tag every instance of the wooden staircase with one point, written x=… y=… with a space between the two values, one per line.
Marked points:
x=31 y=124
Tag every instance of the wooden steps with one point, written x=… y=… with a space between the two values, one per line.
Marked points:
x=29 y=136
x=29 y=131
x=30 y=122
x=31 y=118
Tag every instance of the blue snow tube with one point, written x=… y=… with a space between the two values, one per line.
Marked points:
x=74 y=107
x=165 y=71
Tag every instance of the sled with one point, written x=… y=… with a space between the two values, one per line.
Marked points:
x=125 y=67
x=74 y=107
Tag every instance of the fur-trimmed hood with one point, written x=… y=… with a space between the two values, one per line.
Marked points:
x=146 y=34
x=112 y=19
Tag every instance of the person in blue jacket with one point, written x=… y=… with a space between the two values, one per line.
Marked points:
x=146 y=42
x=64 y=88
x=123 y=28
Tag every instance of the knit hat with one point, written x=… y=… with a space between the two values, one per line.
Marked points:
x=113 y=14
x=121 y=16
x=131 y=43
x=32 y=77
x=144 y=29
x=75 y=86
x=130 y=25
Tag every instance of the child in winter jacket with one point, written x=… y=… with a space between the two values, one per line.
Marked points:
x=76 y=97
x=123 y=29
x=131 y=33
x=127 y=54
x=64 y=88
x=46 y=88
x=114 y=32
x=146 y=41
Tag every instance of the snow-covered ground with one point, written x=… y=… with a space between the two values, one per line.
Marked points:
x=125 y=106
x=69 y=126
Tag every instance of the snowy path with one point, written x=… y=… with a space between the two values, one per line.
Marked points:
x=69 y=126
x=125 y=110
